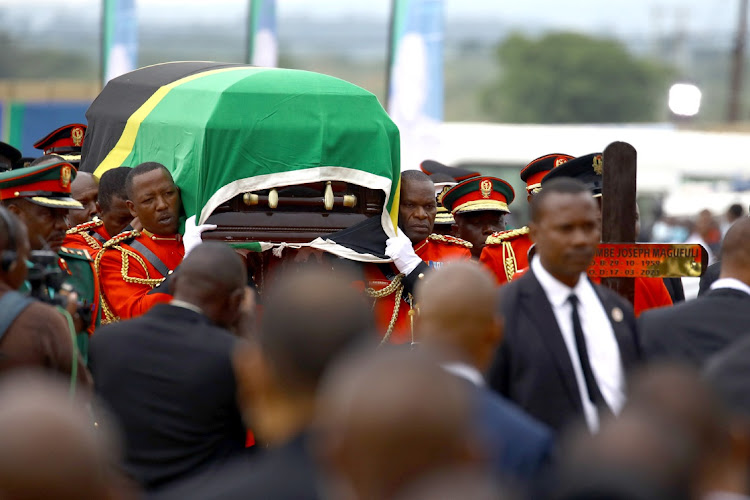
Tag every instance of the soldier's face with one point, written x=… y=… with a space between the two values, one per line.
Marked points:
x=566 y=234
x=85 y=190
x=117 y=216
x=475 y=227
x=46 y=226
x=417 y=209
x=156 y=202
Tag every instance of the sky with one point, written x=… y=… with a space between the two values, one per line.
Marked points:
x=622 y=16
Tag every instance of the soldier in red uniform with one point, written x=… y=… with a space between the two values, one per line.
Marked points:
x=132 y=264
x=65 y=142
x=414 y=251
x=506 y=252
x=479 y=206
x=114 y=215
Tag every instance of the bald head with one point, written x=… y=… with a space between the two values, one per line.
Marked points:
x=633 y=456
x=735 y=251
x=85 y=190
x=212 y=277
x=50 y=448
x=311 y=316
x=458 y=312
x=391 y=419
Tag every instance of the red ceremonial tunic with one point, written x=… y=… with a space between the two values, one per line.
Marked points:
x=89 y=236
x=434 y=251
x=505 y=253
x=127 y=276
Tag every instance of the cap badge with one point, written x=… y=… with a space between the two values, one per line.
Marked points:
x=559 y=161
x=617 y=314
x=65 y=175
x=598 y=164
x=77 y=135
x=485 y=187
x=442 y=194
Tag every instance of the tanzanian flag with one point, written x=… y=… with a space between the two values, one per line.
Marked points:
x=226 y=129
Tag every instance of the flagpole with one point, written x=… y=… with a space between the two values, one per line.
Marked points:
x=102 y=44
x=249 y=34
x=390 y=56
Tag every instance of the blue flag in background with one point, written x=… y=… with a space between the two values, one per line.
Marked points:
x=119 y=38
x=263 y=47
x=415 y=90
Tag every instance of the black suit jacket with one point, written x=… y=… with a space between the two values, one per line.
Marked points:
x=532 y=366
x=694 y=330
x=283 y=473
x=167 y=378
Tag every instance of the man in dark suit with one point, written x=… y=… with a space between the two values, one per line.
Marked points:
x=459 y=322
x=167 y=375
x=695 y=330
x=310 y=318
x=568 y=342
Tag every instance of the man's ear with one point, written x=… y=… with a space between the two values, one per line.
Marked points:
x=98 y=207
x=532 y=232
x=13 y=208
x=131 y=208
x=247 y=363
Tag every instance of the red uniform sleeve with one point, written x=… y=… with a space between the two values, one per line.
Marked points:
x=650 y=293
x=492 y=258
x=126 y=299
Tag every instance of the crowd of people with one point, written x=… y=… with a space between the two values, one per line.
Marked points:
x=479 y=362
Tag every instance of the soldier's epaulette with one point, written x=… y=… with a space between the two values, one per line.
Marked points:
x=497 y=238
x=75 y=252
x=450 y=239
x=122 y=238
x=85 y=226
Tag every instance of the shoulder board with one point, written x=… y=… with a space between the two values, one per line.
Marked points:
x=496 y=238
x=452 y=240
x=74 y=252
x=85 y=226
x=123 y=237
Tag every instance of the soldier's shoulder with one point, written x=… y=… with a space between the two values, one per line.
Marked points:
x=86 y=226
x=450 y=240
x=510 y=234
x=122 y=238
x=67 y=252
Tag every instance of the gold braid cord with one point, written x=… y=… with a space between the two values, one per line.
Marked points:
x=509 y=259
x=395 y=287
x=83 y=230
x=108 y=316
x=497 y=238
x=451 y=240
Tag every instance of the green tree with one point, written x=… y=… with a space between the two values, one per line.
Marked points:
x=574 y=78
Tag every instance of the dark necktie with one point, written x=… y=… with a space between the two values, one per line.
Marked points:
x=592 y=388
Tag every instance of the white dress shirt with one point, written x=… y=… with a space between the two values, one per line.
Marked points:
x=601 y=344
x=465 y=371
x=732 y=283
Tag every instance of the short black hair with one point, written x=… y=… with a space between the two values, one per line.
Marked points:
x=736 y=210
x=415 y=175
x=143 y=168
x=561 y=185
x=111 y=184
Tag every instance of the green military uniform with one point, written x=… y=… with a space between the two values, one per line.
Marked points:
x=48 y=184
x=79 y=266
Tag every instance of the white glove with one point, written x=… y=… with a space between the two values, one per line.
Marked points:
x=192 y=236
x=400 y=250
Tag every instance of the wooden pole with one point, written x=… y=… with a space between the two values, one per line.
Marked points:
x=618 y=206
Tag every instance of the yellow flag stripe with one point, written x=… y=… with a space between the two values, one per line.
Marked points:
x=125 y=144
